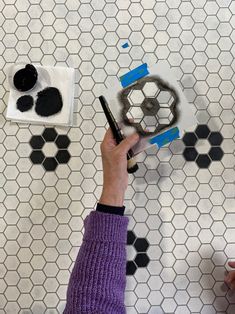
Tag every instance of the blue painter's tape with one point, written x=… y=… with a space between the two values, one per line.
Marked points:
x=126 y=45
x=165 y=138
x=132 y=76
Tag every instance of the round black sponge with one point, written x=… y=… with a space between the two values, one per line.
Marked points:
x=49 y=102
x=25 y=78
x=24 y=103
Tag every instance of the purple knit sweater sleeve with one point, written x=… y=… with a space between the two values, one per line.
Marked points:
x=98 y=279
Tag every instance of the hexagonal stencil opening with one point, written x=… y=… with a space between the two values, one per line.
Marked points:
x=135 y=113
x=150 y=123
x=165 y=99
x=163 y=113
x=150 y=89
x=136 y=97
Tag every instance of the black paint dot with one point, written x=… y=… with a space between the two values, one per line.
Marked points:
x=49 y=102
x=24 y=103
x=203 y=161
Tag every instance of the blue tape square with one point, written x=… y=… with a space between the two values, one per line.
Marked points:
x=134 y=75
x=165 y=138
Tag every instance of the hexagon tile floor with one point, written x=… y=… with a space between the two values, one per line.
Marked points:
x=181 y=202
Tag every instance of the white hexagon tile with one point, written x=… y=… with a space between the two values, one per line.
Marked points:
x=181 y=207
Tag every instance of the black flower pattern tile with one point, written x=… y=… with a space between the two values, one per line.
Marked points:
x=141 y=259
x=214 y=140
x=37 y=143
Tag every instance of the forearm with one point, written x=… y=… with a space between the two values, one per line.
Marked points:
x=112 y=196
x=97 y=282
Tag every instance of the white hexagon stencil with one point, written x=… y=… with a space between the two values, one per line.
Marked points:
x=150 y=89
x=136 y=97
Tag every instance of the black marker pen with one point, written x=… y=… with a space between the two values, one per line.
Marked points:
x=131 y=163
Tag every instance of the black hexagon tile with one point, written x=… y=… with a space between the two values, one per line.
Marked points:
x=49 y=134
x=62 y=141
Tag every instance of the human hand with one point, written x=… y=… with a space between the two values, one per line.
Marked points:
x=230 y=278
x=115 y=175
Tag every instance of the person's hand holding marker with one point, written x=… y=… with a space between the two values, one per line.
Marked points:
x=115 y=175
x=230 y=278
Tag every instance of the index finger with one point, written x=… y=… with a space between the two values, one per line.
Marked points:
x=108 y=135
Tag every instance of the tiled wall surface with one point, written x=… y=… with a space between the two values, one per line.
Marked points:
x=181 y=202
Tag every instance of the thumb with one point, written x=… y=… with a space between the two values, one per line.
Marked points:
x=231 y=264
x=128 y=142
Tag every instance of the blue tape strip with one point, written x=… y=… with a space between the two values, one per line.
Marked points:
x=132 y=76
x=166 y=137
x=126 y=45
